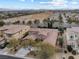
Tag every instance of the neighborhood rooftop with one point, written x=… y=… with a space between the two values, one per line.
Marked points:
x=48 y=35
x=73 y=29
x=12 y=29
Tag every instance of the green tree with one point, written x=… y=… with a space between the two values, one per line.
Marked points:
x=9 y=15
x=70 y=20
x=28 y=42
x=48 y=22
x=24 y=43
x=46 y=51
x=14 y=43
x=61 y=42
x=29 y=22
x=45 y=22
x=2 y=23
x=36 y=21
x=71 y=57
x=60 y=18
x=17 y=22
x=23 y=22
x=0 y=17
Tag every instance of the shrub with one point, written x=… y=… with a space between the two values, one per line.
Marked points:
x=1 y=23
x=69 y=48
x=74 y=52
x=46 y=51
x=71 y=57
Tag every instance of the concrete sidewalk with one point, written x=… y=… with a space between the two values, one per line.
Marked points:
x=22 y=52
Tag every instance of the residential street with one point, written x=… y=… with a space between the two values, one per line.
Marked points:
x=8 y=57
x=19 y=55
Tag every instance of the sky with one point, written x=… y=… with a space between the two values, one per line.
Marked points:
x=39 y=4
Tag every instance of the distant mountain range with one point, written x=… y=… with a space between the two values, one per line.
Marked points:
x=6 y=9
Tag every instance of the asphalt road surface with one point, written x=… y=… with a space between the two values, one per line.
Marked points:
x=8 y=57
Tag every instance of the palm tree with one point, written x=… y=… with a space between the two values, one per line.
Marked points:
x=52 y=22
x=48 y=22
x=61 y=42
x=60 y=18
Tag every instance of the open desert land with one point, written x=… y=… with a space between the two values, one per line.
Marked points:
x=39 y=16
x=32 y=17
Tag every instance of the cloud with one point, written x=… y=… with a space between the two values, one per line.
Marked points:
x=75 y=2
x=55 y=2
x=22 y=0
x=32 y=0
x=62 y=3
x=25 y=0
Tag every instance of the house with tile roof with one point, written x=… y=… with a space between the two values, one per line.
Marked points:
x=15 y=31
x=46 y=35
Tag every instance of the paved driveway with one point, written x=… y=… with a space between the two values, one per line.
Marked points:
x=3 y=51
x=22 y=52
x=8 y=57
